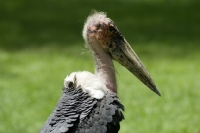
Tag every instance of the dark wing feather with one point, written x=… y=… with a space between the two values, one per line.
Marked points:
x=77 y=112
x=104 y=117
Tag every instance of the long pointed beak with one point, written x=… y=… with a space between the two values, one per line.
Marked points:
x=125 y=55
x=106 y=33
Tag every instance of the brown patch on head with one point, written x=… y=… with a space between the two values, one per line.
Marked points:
x=104 y=36
x=106 y=33
x=101 y=29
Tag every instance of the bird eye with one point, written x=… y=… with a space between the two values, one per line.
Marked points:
x=98 y=26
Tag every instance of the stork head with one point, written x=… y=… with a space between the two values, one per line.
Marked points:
x=101 y=29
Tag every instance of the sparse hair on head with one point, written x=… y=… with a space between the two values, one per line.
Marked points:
x=93 y=18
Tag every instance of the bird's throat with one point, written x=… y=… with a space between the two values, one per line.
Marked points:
x=104 y=67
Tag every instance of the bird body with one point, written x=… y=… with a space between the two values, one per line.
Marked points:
x=78 y=112
x=89 y=102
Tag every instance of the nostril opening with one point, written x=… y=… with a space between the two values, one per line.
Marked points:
x=111 y=29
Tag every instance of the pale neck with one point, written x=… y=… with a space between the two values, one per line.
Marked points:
x=104 y=67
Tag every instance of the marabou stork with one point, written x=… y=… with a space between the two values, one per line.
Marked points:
x=89 y=102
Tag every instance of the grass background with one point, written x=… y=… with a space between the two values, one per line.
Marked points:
x=41 y=43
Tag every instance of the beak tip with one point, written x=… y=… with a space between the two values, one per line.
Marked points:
x=156 y=91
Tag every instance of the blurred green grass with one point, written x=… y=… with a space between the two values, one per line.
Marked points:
x=41 y=43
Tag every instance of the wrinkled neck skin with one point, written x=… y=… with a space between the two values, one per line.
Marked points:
x=104 y=67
